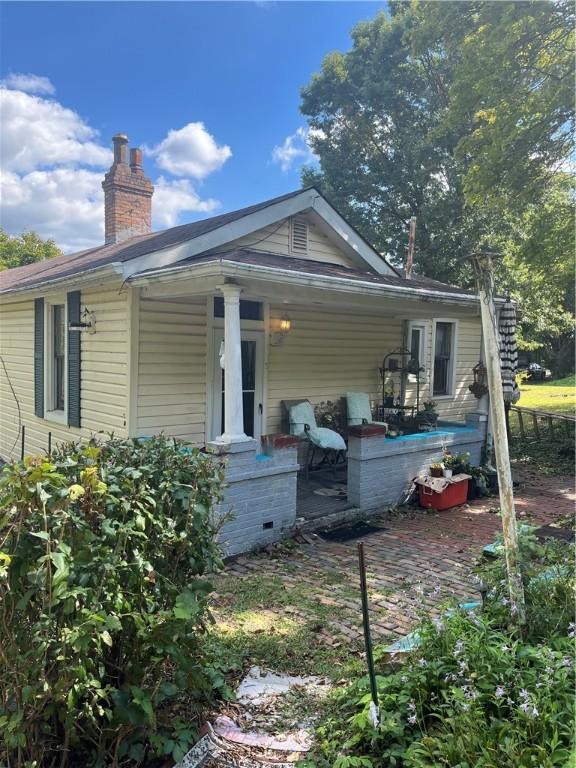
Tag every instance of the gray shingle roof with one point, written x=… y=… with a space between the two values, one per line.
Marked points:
x=312 y=267
x=32 y=275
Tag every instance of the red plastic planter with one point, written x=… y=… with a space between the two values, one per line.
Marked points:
x=453 y=495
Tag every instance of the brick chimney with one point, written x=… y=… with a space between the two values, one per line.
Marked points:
x=127 y=195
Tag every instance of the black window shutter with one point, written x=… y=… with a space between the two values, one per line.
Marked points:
x=39 y=357
x=74 y=361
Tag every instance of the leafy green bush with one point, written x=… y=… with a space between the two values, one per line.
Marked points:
x=476 y=693
x=103 y=602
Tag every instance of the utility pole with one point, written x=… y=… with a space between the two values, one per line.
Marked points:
x=411 y=244
x=482 y=264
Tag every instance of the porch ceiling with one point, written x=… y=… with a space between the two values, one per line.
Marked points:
x=367 y=293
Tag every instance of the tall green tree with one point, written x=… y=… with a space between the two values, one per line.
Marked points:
x=512 y=91
x=538 y=268
x=373 y=112
x=458 y=113
x=28 y=248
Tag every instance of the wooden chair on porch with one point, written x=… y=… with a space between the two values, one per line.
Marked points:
x=320 y=440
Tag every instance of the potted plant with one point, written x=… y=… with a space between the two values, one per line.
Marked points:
x=427 y=418
x=388 y=391
x=452 y=464
x=436 y=469
x=478 y=484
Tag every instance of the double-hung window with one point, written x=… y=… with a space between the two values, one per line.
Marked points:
x=444 y=346
x=56 y=359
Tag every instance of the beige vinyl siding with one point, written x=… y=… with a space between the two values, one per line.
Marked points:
x=327 y=354
x=330 y=353
x=276 y=239
x=171 y=387
x=469 y=335
x=103 y=372
x=467 y=353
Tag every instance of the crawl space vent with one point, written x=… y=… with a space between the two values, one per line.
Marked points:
x=299 y=235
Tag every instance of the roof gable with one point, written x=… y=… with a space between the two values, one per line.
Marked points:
x=170 y=246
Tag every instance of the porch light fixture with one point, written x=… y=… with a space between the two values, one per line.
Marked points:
x=87 y=322
x=284 y=328
x=479 y=387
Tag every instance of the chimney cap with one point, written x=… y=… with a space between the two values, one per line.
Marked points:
x=120 y=138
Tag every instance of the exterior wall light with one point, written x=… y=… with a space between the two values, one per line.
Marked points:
x=87 y=323
x=284 y=328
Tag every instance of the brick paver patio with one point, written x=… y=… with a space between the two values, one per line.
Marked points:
x=418 y=561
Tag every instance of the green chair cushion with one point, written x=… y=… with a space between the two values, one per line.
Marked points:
x=299 y=416
x=326 y=438
x=358 y=408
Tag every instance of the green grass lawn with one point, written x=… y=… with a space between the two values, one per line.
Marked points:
x=554 y=396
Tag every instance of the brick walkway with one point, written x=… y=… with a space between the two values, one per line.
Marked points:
x=418 y=561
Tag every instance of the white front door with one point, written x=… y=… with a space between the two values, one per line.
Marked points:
x=252 y=383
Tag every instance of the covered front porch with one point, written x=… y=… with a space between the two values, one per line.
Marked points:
x=222 y=344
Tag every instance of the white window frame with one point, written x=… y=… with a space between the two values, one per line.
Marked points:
x=50 y=413
x=214 y=324
x=415 y=325
x=421 y=326
x=454 y=347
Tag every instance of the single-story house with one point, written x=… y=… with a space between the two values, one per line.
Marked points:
x=203 y=330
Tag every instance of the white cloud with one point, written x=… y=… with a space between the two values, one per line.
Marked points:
x=28 y=83
x=295 y=150
x=171 y=198
x=39 y=132
x=65 y=204
x=190 y=151
x=53 y=164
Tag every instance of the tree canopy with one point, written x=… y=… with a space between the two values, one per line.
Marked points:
x=461 y=114
x=28 y=248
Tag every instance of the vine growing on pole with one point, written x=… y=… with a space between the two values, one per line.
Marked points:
x=482 y=264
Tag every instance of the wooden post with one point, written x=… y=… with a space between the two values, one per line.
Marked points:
x=411 y=244
x=535 y=425
x=521 y=424
x=483 y=268
x=551 y=427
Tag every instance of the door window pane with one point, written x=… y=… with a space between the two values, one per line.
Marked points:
x=249 y=349
x=415 y=344
x=248 y=364
x=249 y=310
x=248 y=412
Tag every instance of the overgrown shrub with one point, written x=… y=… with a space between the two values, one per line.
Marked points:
x=103 y=601
x=476 y=693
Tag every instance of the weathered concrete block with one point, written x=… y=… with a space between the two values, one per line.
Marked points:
x=381 y=470
x=260 y=492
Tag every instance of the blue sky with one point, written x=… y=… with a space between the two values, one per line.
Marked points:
x=209 y=89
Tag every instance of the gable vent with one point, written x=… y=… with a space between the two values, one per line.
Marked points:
x=298 y=234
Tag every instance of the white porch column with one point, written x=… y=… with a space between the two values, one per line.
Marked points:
x=233 y=410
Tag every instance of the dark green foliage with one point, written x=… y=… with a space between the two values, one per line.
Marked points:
x=476 y=693
x=459 y=113
x=103 y=602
